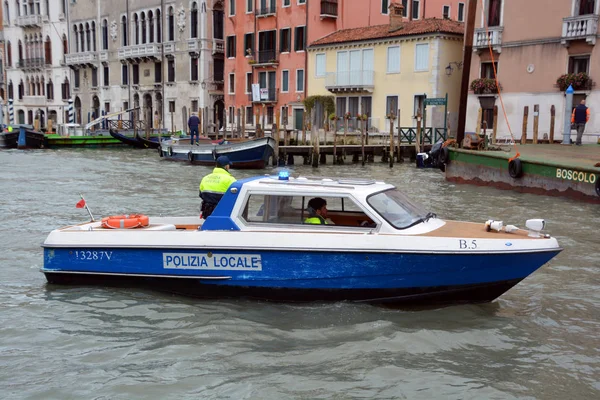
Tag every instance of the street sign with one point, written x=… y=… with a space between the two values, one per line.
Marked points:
x=435 y=101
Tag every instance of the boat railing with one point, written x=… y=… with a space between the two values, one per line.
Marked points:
x=124 y=124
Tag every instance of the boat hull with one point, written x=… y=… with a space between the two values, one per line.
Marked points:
x=375 y=277
x=9 y=140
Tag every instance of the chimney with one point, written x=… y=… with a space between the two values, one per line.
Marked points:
x=396 y=16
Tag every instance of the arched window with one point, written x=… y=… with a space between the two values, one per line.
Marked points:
x=194 y=21
x=93 y=35
x=50 y=90
x=75 y=33
x=158 y=27
x=9 y=54
x=105 y=34
x=18 y=8
x=81 y=38
x=88 y=37
x=11 y=91
x=171 y=24
x=65 y=44
x=21 y=90
x=20 y=52
x=143 y=22
x=124 y=30
x=150 y=27
x=27 y=87
x=65 y=89
x=6 y=12
x=136 y=26
x=48 y=50
x=27 y=47
x=43 y=87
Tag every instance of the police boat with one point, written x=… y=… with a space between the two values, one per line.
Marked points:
x=369 y=244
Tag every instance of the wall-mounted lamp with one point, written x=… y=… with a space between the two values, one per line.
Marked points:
x=450 y=69
x=203 y=84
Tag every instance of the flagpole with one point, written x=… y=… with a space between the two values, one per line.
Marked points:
x=87 y=208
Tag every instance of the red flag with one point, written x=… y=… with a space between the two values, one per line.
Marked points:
x=80 y=203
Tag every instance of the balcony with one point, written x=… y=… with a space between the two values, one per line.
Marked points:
x=36 y=63
x=194 y=46
x=34 y=100
x=265 y=58
x=103 y=56
x=267 y=95
x=169 y=47
x=28 y=21
x=266 y=11
x=483 y=39
x=218 y=46
x=140 y=52
x=81 y=60
x=350 y=81
x=580 y=27
x=329 y=9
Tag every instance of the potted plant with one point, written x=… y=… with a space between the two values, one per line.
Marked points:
x=391 y=116
x=347 y=115
x=485 y=86
x=252 y=61
x=579 y=81
x=362 y=117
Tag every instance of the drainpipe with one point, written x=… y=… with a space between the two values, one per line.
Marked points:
x=306 y=51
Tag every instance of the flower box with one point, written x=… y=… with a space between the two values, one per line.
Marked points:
x=579 y=81
x=485 y=86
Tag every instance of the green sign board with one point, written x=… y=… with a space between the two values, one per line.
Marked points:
x=435 y=101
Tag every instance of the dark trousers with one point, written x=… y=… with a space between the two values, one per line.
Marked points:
x=580 y=128
x=194 y=132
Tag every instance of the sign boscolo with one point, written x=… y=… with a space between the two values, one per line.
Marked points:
x=576 y=176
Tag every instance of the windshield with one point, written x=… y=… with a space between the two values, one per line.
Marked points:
x=397 y=209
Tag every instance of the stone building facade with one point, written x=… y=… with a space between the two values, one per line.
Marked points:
x=34 y=42
x=163 y=56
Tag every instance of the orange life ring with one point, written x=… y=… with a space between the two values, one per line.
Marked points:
x=130 y=221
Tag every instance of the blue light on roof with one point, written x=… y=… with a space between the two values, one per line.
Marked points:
x=284 y=175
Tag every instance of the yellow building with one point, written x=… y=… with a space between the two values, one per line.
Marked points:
x=376 y=70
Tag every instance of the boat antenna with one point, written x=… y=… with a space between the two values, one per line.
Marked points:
x=84 y=204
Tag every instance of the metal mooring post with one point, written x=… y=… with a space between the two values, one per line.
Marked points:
x=568 y=109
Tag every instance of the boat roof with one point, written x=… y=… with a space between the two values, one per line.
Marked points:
x=311 y=184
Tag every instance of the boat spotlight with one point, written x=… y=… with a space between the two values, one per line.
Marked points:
x=495 y=225
x=535 y=226
x=284 y=175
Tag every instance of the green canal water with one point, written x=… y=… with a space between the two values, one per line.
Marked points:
x=540 y=340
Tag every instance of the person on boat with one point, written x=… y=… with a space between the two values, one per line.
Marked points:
x=214 y=185
x=193 y=124
x=317 y=212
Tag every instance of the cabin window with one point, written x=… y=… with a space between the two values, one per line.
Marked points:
x=285 y=209
x=397 y=209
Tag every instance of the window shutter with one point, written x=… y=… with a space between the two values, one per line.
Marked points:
x=422 y=57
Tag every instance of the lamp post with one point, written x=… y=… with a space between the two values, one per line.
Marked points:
x=567 y=122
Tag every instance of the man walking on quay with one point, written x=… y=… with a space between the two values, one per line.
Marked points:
x=193 y=123
x=580 y=116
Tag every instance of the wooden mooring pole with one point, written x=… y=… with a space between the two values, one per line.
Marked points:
x=536 y=118
x=552 y=117
x=391 y=141
x=525 y=117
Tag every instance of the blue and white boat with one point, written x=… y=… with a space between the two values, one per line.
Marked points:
x=254 y=153
x=379 y=247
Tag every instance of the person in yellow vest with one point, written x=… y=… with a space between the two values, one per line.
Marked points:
x=317 y=212
x=214 y=185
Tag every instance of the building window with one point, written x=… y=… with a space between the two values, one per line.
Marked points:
x=171 y=22
x=249 y=115
x=299 y=39
x=249 y=6
x=231 y=115
x=586 y=7
x=48 y=51
x=446 y=12
x=285 y=81
x=231 y=8
x=106 y=76
x=487 y=69
x=124 y=75
x=405 y=10
x=194 y=21
x=94 y=77
x=231 y=83
x=172 y=106
x=494 y=8
x=285 y=40
x=65 y=90
x=384 y=6
x=76 y=79
x=461 y=12
x=248 y=82
x=393 y=59
x=105 y=34
x=135 y=71
x=194 y=69
x=124 y=30
x=301 y=1
x=171 y=70
x=248 y=44
x=287 y=3
x=194 y=106
x=320 y=65
x=299 y=80
x=230 y=46
x=579 y=64
x=50 y=90
x=422 y=57
x=391 y=105
x=415 y=9
x=158 y=72
x=270 y=115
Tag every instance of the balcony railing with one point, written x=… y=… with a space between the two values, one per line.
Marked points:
x=218 y=46
x=580 y=27
x=36 y=62
x=138 y=51
x=329 y=8
x=264 y=57
x=266 y=11
x=29 y=20
x=484 y=38
x=350 y=81
x=84 y=58
x=194 y=45
x=169 y=47
x=267 y=95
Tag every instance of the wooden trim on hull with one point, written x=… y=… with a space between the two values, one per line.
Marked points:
x=193 y=287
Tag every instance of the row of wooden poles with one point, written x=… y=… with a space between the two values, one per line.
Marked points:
x=523 y=140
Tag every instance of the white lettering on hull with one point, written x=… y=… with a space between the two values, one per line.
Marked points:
x=215 y=262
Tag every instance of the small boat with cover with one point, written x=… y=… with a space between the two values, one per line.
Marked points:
x=376 y=246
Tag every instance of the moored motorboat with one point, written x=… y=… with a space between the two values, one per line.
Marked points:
x=254 y=153
x=378 y=247
x=9 y=140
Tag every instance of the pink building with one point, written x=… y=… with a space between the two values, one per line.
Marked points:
x=266 y=40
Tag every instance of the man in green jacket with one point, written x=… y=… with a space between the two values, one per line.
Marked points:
x=214 y=185
x=317 y=211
